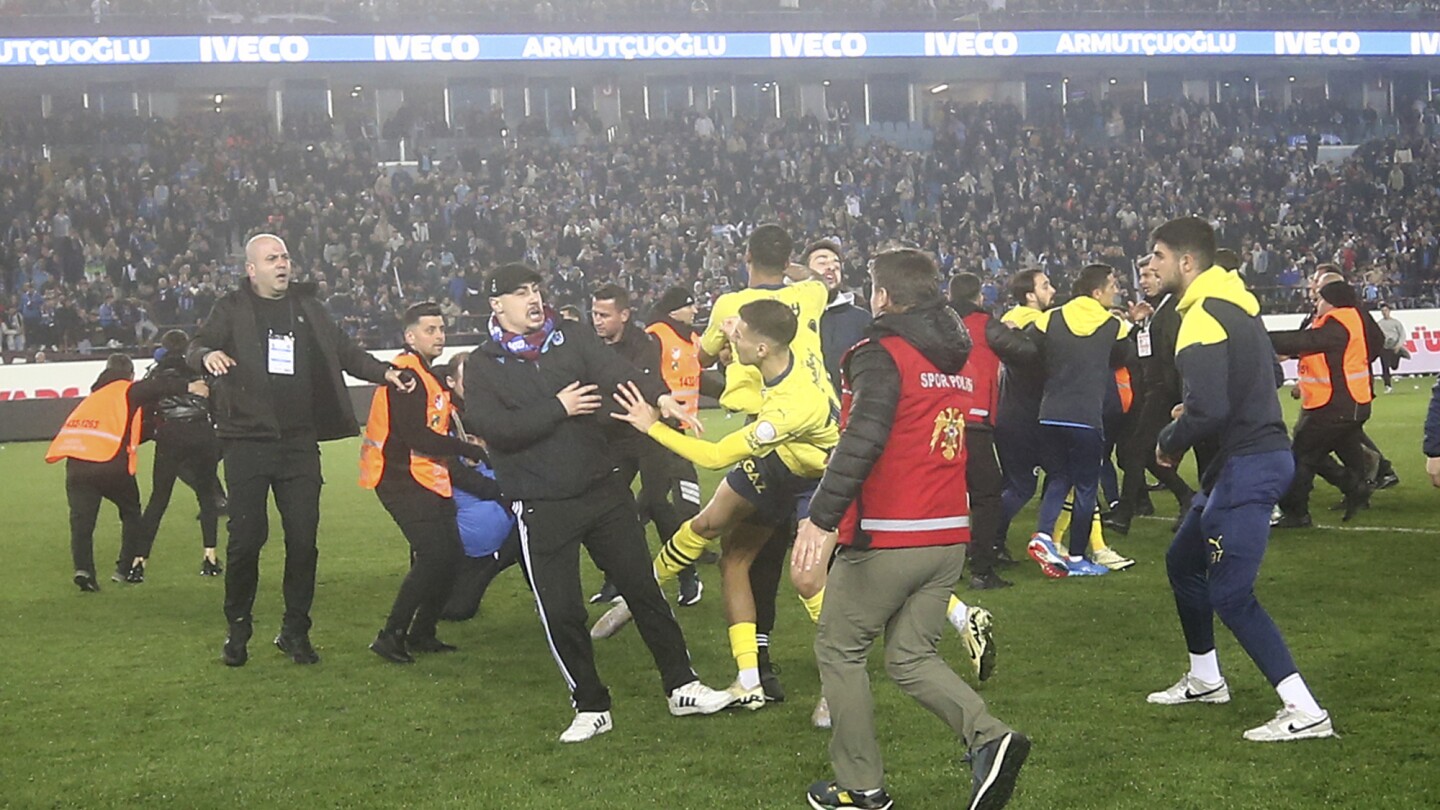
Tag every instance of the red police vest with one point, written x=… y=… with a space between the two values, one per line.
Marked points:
x=983 y=370
x=915 y=494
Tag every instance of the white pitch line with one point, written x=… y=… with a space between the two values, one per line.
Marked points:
x=1400 y=529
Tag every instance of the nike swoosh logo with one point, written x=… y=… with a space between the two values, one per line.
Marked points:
x=1196 y=695
x=1294 y=730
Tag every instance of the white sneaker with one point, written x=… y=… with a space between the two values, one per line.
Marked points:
x=1110 y=558
x=586 y=725
x=612 y=621
x=820 y=718
x=975 y=634
x=742 y=698
x=697 y=698
x=1190 y=689
x=1292 y=724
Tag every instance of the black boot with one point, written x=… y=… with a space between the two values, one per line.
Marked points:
x=392 y=646
x=234 y=653
x=769 y=680
x=1119 y=519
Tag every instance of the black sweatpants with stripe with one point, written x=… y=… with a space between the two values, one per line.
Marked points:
x=604 y=520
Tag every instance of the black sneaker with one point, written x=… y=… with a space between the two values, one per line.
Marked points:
x=122 y=574
x=607 y=593
x=997 y=765
x=1003 y=558
x=392 y=646
x=210 y=568
x=988 y=582
x=769 y=678
x=234 y=653
x=137 y=574
x=428 y=644
x=691 y=588
x=1387 y=479
x=298 y=648
x=1356 y=500
x=1118 y=520
x=85 y=581
x=830 y=796
x=1289 y=521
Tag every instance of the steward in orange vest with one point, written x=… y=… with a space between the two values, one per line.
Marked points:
x=98 y=442
x=1335 y=394
x=404 y=459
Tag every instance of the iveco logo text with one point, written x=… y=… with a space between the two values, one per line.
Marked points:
x=254 y=49
x=817 y=44
x=1317 y=43
x=427 y=48
x=971 y=43
x=1425 y=43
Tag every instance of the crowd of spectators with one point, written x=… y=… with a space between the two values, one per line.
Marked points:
x=109 y=250
x=593 y=11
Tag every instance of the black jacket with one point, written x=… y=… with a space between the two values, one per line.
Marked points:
x=240 y=400
x=643 y=351
x=1159 y=380
x=143 y=394
x=1079 y=359
x=841 y=326
x=539 y=452
x=875 y=393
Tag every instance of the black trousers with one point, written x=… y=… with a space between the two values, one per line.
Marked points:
x=428 y=522
x=253 y=469
x=473 y=578
x=1137 y=454
x=984 y=483
x=195 y=464
x=1316 y=437
x=86 y=485
x=765 y=573
x=1389 y=361
x=603 y=519
x=669 y=486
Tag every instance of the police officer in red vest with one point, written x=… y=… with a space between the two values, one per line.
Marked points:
x=895 y=494
x=98 y=442
x=405 y=458
x=993 y=343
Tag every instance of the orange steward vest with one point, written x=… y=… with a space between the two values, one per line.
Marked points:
x=679 y=366
x=95 y=430
x=428 y=472
x=1316 y=377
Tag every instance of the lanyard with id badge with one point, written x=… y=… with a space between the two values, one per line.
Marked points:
x=1143 y=347
x=280 y=349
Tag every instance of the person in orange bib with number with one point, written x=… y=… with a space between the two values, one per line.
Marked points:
x=1335 y=395
x=403 y=458
x=98 y=442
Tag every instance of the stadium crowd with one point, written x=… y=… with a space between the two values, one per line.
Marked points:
x=113 y=249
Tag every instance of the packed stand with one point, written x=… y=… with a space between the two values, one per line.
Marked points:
x=112 y=250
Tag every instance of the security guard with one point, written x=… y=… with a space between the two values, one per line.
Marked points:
x=98 y=441
x=1336 y=390
x=404 y=458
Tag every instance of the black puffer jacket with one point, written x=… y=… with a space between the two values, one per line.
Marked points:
x=875 y=392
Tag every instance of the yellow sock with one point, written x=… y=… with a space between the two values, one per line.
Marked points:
x=1062 y=523
x=679 y=553
x=1097 y=533
x=746 y=651
x=813 y=605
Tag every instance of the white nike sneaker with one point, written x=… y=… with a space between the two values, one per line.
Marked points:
x=697 y=698
x=1110 y=558
x=586 y=725
x=820 y=718
x=975 y=634
x=743 y=698
x=1292 y=724
x=1190 y=689
x=612 y=621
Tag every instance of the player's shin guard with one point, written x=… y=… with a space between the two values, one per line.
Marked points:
x=679 y=552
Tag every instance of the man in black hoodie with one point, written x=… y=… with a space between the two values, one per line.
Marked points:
x=98 y=441
x=892 y=502
x=277 y=357
x=186 y=448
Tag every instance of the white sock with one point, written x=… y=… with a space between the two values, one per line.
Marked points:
x=1294 y=692
x=959 y=613
x=1205 y=667
x=749 y=677
x=1074 y=557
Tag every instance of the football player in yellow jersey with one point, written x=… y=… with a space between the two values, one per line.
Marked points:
x=781 y=456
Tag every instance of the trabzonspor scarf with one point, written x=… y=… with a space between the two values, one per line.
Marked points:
x=529 y=346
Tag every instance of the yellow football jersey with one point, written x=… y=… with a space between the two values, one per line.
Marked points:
x=797 y=420
x=807 y=299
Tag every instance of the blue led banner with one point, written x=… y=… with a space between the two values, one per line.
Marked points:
x=460 y=47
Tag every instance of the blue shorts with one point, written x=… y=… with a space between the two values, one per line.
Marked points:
x=776 y=493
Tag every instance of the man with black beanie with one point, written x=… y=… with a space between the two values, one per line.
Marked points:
x=534 y=389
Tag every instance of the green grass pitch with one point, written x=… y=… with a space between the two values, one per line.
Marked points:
x=119 y=698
